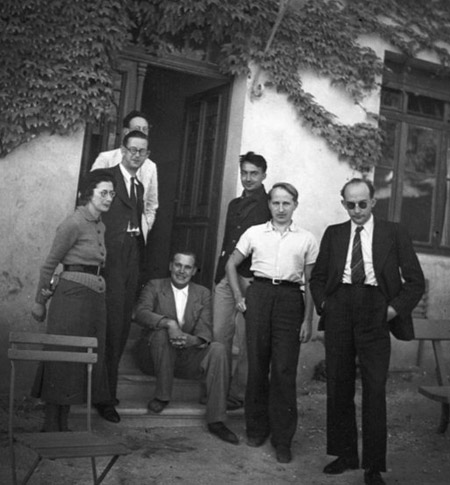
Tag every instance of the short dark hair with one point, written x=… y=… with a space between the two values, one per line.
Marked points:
x=355 y=181
x=185 y=252
x=289 y=188
x=134 y=114
x=255 y=159
x=134 y=134
x=90 y=182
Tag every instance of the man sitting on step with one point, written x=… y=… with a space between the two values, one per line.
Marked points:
x=175 y=314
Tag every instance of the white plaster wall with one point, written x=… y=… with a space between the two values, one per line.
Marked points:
x=294 y=154
x=38 y=186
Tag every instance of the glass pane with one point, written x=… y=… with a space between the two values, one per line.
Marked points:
x=391 y=98
x=445 y=236
x=421 y=150
x=383 y=192
x=417 y=205
x=425 y=106
x=389 y=129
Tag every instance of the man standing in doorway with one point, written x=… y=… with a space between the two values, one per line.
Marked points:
x=366 y=281
x=124 y=246
x=243 y=212
x=147 y=173
x=278 y=318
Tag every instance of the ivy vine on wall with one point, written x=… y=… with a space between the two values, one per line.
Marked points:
x=59 y=62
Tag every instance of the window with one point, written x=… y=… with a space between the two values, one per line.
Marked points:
x=412 y=181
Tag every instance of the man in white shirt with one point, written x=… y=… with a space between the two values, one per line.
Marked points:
x=278 y=318
x=147 y=173
x=175 y=314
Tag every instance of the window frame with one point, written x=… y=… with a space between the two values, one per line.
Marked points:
x=426 y=79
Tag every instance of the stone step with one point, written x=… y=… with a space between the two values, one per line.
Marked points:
x=136 y=415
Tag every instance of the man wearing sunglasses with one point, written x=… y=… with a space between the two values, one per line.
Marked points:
x=124 y=243
x=366 y=281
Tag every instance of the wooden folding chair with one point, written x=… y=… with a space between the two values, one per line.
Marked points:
x=29 y=347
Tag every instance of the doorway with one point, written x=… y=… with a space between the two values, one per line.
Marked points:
x=189 y=117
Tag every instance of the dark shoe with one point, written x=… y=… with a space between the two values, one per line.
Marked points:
x=284 y=454
x=222 y=432
x=340 y=465
x=256 y=441
x=156 y=405
x=372 y=477
x=108 y=412
x=233 y=405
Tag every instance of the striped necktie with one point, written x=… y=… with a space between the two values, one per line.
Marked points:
x=357 y=264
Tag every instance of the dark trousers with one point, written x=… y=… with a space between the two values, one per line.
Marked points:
x=122 y=276
x=273 y=320
x=156 y=356
x=356 y=326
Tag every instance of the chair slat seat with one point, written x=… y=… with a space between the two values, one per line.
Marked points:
x=55 y=445
x=436 y=393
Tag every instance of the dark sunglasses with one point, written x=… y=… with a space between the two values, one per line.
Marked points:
x=362 y=204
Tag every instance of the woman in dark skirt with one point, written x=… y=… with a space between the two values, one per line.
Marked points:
x=77 y=306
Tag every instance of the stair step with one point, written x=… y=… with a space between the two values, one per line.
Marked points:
x=136 y=415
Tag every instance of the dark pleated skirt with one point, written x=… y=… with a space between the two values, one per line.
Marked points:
x=76 y=310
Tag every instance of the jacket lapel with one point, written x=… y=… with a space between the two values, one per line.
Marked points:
x=381 y=246
x=121 y=188
x=342 y=240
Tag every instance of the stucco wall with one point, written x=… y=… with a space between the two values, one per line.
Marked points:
x=37 y=190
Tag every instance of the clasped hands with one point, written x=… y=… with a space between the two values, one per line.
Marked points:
x=179 y=339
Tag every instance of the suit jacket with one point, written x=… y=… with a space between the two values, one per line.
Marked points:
x=117 y=218
x=156 y=301
x=397 y=270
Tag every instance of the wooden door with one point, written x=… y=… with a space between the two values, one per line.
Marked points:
x=199 y=186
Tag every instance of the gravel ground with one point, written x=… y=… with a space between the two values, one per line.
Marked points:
x=417 y=455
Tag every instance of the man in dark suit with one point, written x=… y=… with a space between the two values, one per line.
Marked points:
x=366 y=281
x=175 y=314
x=124 y=248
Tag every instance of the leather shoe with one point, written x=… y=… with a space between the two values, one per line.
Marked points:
x=222 y=432
x=284 y=454
x=340 y=465
x=233 y=405
x=256 y=441
x=372 y=477
x=108 y=412
x=156 y=405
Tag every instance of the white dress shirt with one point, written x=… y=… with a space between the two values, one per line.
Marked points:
x=180 y=296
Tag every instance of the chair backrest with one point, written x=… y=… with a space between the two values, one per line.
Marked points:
x=431 y=329
x=26 y=346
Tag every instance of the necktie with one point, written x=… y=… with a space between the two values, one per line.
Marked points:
x=134 y=217
x=357 y=264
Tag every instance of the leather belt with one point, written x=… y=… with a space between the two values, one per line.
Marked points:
x=276 y=281
x=84 y=268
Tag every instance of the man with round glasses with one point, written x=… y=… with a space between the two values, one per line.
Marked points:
x=365 y=283
x=124 y=251
x=147 y=173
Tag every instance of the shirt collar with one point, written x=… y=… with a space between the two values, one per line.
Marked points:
x=368 y=226
x=293 y=227
x=256 y=194
x=184 y=291
x=127 y=176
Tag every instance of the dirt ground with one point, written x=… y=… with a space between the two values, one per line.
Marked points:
x=417 y=455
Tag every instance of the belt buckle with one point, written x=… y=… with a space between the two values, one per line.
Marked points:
x=276 y=281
